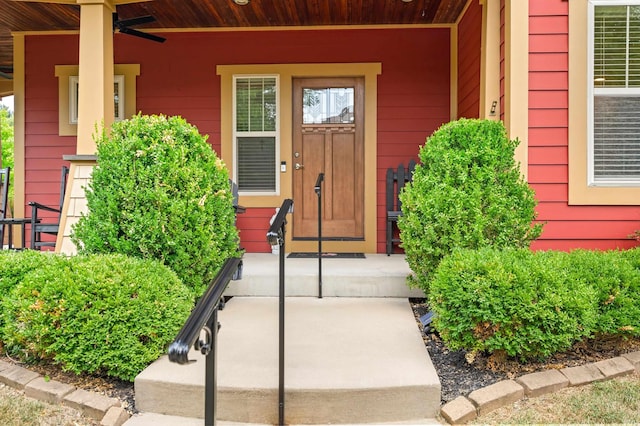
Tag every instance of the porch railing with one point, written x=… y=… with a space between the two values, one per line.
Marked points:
x=318 y=191
x=204 y=321
x=276 y=236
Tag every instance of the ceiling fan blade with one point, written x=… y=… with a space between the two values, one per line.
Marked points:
x=136 y=21
x=136 y=33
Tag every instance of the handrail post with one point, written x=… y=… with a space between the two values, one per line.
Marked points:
x=211 y=379
x=276 y=236
x=281 y=334
x=318 y=190
x=204 y=317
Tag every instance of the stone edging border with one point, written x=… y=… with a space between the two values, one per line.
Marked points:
x=106 y=410
x=461 y=410
x=481 y=401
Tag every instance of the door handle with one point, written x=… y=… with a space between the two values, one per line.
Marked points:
x=299 y=166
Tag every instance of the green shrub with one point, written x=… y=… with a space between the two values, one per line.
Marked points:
x=516 y=301
x=615 y=277
x=15 y=265
x=467 y=192
x=99 y=314
x=160 y=192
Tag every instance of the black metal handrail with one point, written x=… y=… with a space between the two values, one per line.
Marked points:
x=276 y=236
x=204 y=317
x=318 y=191
x=275 y=233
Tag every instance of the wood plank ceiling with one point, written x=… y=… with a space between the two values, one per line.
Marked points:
x=38 y=16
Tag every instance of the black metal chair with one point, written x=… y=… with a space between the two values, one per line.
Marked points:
x=50 y=225
x=234 y=191
x=7 y=223
x=396 y=180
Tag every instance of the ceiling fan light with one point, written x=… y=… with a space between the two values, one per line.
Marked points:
x=243 y=2
x=407 y=1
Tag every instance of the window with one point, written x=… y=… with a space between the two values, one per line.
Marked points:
x=124 y=88
x=256 y=134
x=614 y=101
x=118 y=98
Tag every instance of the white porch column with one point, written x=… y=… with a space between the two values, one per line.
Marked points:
x=490 y=60
x=95 y=76
x=516 y=79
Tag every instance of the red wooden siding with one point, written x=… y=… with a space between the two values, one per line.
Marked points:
x=411 y=106
x=43 y=147
x=179 y=78
x=469 y=50
x=253 y=231
x=567 y=227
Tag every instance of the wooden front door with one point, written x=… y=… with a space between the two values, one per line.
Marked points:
x=328 y=137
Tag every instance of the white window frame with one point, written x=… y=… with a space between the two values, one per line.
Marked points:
x=73 y=98
x=602 y=91
x=275 y=134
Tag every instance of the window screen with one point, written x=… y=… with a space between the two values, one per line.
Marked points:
x=616 y=93
x=255 y=133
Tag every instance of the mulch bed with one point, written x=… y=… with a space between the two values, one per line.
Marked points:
x=461 y=374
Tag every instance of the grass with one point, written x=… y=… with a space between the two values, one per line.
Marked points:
x=612 y=401
x=18 y=410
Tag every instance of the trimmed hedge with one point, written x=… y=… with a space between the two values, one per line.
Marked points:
x=15 y=265
x=615 y=277
x=105 y=314
x=467 y=192
x=160 y=192
x=533 y=304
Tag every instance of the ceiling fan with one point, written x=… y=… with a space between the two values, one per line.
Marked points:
x=123 y=27
x=6 y=73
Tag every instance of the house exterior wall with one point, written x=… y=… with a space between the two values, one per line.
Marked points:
x=469 y=58
x=44 y=148
x=179 y=78
x=567 y=226
x=413 y=99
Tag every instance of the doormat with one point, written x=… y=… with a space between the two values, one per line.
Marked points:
x=311 y=255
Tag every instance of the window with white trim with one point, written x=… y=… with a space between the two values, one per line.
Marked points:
x=255 y=134
x=614 y=80
x=118 y=98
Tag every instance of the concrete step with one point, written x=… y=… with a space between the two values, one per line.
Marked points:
x=152 y=419
x=377 y=275
x=347 y=361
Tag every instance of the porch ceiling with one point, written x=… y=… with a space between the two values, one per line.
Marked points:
x=39 y=16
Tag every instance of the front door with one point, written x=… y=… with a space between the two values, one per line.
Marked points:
x=328 y=137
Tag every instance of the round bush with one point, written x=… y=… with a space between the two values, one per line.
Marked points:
x=14 y=265
x=101 y=314
x=516 y=301
x=160 y=192
x=467 y=192
x=615 y=277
